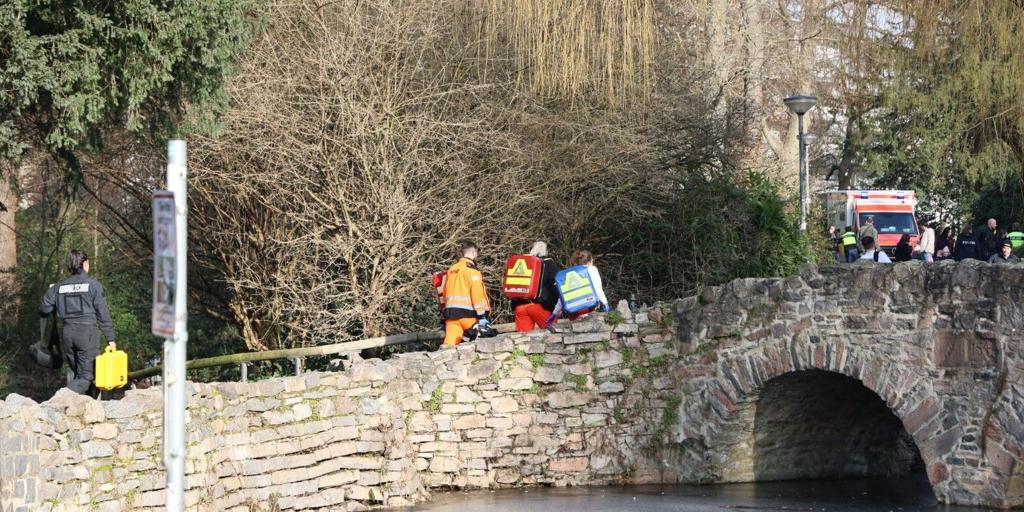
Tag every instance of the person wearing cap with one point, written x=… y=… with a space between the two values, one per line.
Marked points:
x=1005 y=255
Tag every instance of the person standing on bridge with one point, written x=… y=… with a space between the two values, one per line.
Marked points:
x=850 y=245
x=466 y=307
x=903 y=252
x=926 y=244
x=966 y=246
x=534 y=314
x=1005 y=254
x=872 y=254
x=988 y=241
x=1016 y=239
x=866 y=231
x=81 y=303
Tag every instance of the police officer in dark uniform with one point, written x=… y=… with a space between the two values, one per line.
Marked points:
x=81 y=304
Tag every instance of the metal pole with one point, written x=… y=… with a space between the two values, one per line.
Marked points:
x=804 y=205
x=175 y=354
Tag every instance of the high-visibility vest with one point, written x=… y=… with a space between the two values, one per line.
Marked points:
x=849 y=238
x=1016 y=239
x=576 y=290
x=522 y=277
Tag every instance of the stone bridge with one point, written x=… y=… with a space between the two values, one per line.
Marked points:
x=841 y=371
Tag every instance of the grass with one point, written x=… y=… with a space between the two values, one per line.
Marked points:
x=537 y=360
x=668 y=418
x=436 y=400
x=627 y=356
x=613 y=317
x=496 y=375
x=579 y=382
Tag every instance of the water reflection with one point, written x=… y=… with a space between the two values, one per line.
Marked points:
x=911 y=494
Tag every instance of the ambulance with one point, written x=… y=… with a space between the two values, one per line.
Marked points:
x=893 y=211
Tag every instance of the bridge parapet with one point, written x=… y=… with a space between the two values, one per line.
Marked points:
x=939 y=344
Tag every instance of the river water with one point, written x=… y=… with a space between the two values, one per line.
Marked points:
x=910 y=494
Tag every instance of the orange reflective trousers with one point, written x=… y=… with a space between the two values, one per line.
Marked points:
x=454 y=329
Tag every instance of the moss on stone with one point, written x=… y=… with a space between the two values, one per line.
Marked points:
x=579 y=382
x=614 y=318
x=436 y=400
x=537 y=360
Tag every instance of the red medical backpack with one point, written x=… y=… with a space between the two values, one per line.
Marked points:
x=439 y=282
x=522 y=277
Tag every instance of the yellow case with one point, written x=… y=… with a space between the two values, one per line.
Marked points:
x=111 y=369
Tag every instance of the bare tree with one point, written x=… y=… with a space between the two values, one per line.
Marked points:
x=352 y=162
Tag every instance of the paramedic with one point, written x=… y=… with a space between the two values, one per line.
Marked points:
x=586 y=259
x=465 y=300
x=534 y=314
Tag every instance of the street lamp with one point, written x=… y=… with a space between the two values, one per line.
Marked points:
x=799 y=105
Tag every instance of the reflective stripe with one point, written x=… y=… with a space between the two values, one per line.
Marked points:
x=585 y=301
x=464 y=298
x=517 y=281
x=577 y=293
x=460 y=302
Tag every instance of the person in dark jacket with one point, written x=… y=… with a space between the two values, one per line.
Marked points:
x=1005 y=254
x=987 y=241
x=532 y=315
x=966 y=245
x=904 y=252
x=81 y=303
x=944 y=240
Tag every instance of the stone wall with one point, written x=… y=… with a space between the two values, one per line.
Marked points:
x=580 y=406
x=701 y=395
x=939 y=343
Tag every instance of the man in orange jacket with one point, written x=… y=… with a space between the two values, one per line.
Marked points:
x=465 y=299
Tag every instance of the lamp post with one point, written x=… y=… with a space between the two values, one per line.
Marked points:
x=799 y=105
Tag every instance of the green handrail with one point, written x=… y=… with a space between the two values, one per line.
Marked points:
x=319 y=350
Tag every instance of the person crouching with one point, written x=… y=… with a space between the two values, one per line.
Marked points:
x=466 y=306
x=534 y=314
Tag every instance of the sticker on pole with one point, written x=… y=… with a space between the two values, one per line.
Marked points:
x=165 y=265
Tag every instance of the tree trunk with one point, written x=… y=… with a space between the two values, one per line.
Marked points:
x=787 y=150
x=719 y=51
x=8 y=254
x=753 y=55
x=850 y=145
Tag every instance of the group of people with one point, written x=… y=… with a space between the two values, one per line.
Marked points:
x=987 y=243
x=467 y=308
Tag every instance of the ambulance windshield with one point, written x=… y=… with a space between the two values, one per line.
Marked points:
x=891 y=222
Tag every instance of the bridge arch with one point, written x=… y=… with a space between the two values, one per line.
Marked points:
x=938 y=344
x=747 y=421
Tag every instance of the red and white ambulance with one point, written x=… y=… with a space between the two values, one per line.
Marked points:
x=893 y=211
